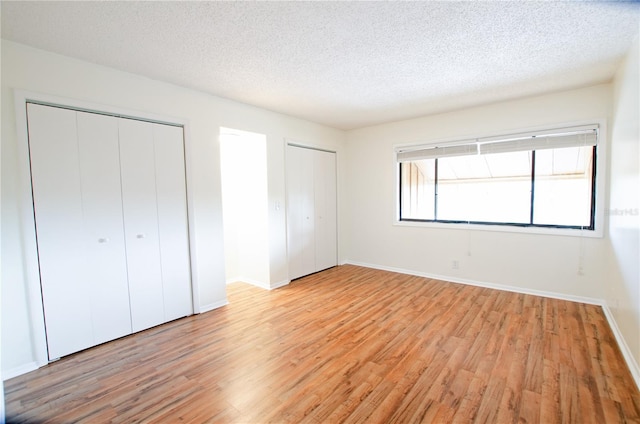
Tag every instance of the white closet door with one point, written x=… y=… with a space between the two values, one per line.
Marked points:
x=105 y=262
x=55 y=174
x=325 y=210
x=172 y=221
x=139 y=203
x=311 y=210
x=111 y=222
x=295 y=214
x=308 y=213
x=300 y=212
x=76 y=181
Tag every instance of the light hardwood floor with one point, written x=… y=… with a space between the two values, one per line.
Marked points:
x=349 y=344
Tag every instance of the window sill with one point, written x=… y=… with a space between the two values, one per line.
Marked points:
x=503 y=228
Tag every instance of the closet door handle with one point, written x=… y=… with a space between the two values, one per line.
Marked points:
x=103 y=240
x=139 y=236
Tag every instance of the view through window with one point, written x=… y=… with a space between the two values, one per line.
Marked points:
x=545 y=181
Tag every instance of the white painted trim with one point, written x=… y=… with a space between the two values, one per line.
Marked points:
x=313 y=146
x=274 y=286
x=622 y=344
x=570 y=232
x=87 y=106
x=28 y=236
x=259 y=284
x=514 y=289
x=212 y=306
x=22 y=369
x=294 y=143
x=253 y=282
x=189 y=176
x=266 y=286
x=601 y=190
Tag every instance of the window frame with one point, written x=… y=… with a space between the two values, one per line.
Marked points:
x=599 y=172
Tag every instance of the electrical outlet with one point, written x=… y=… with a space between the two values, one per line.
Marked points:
x=455 y=264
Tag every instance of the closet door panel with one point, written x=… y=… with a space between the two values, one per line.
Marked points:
x=300 y=211
x=105 y=264
x=325 y=210
x=137 y=168
x=295 y=214
x=308 y=222
x=172 y=221
x=55 y=175
x=311 y=210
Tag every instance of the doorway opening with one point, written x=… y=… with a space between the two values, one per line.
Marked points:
x=243 y=165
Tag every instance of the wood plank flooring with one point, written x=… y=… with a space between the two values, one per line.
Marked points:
x=349 y=345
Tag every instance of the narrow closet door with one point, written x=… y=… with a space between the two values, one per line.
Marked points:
x=324 y=176
x=105 y=262
x=300 y=212
x=295 y=213
x=172 y=221
x=139 y=203
x=55 y=178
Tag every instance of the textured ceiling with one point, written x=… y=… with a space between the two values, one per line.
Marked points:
x=343 y=64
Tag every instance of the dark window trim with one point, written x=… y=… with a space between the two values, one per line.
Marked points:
x=530 y=224
x=497 y=224
x=435 y=193
x=533 y=185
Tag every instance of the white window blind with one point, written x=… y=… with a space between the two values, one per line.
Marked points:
x=586 y=135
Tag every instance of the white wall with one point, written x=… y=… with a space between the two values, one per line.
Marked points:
x=38 y=71
x=366 y=190
x=623 y=279
x=532 y=262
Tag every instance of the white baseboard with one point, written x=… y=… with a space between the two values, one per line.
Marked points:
x=262 y=284
x=453 y=279
x=624 y=348
x=622 y=343
x=32 y=366
x=212 y=306
x=22 y=369
x=279 y=284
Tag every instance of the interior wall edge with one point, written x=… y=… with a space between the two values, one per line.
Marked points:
x=17 y=371
x=212 y=306
x=279 y=284
x=470 y=282
x=260 y=284
x=254 y=282
x=634 y=368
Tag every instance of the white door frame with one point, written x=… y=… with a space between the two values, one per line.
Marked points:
x=294 y=143
x=26 y=208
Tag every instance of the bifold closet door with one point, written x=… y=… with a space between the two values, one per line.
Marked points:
x=76 y=191
x=311 y=210
x=111 y=223
x=171 y=189
x=325 y=206
x=300 y=212
x=156 y=230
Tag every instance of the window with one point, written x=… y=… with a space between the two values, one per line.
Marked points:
x=546 y=179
